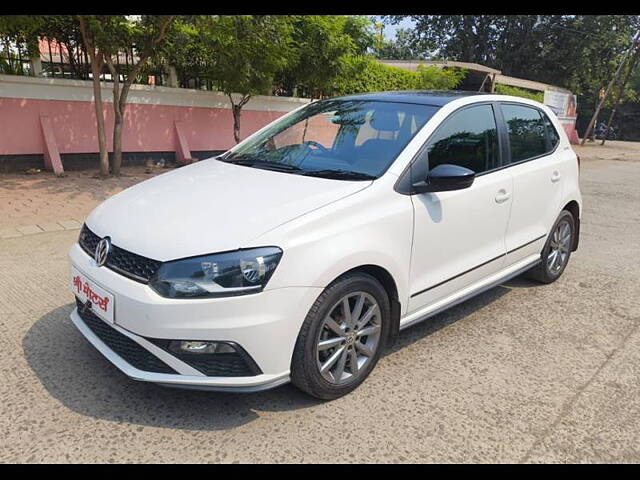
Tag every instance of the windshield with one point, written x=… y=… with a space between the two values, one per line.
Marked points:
x=342 y=139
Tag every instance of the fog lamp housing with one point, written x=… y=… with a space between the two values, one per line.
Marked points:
x=200 y=347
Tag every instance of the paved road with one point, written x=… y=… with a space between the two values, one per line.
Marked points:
x=523 y=373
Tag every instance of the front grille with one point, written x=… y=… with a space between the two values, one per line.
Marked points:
x=238 y=364
x=130 y=351
x=131 y=265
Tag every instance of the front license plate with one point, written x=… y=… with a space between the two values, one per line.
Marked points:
x=87 y=290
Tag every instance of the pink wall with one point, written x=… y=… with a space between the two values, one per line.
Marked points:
x=148 y=128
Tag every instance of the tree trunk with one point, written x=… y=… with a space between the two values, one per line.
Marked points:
x=96 y=69
x=236 y=109
x=119 y=111
x=97 y=60
x=118 y=116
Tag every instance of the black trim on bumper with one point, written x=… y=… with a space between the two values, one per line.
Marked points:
x=238 y=364
x=129 y=350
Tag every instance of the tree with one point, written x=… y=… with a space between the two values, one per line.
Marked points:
x=578 y=52
x=27 y=29
x=65 y=32
x=400 y=48
x=22 y=31
x=361 y=31
x=243 y=53
x=91 y=30
x=144 y=34
x=321 y=45
x=182 y=48
x=104 y=38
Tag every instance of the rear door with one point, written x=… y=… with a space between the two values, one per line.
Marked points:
x=535 y=167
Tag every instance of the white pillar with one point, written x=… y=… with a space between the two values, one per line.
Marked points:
x=172 y=81
x=36 y=66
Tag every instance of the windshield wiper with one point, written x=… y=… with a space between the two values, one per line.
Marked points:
x=339 y=174
x=259 y=163
x=253 y=161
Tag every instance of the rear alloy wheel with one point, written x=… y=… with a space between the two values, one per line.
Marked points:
x=559 y=247
x=556 y=252
x=342 y=337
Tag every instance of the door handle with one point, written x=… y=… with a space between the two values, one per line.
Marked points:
x=502 y=196
x=555 y=176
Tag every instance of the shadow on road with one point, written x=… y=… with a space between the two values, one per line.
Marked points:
x=77 y=375
x=442 y=320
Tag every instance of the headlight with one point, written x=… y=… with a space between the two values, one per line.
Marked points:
x=218 y=275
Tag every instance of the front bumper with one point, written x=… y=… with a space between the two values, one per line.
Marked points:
x=265 y=325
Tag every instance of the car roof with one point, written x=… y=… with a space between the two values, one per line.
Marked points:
x=436 y=98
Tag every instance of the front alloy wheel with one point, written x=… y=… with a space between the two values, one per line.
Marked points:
x=342 y=337
x=349 y=337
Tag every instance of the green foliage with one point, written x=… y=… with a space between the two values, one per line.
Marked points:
x=400 y=48
x=8 y=68
x=321 y=44
x=519 y=92
x=364 y=74
x=133 y=33
x=360 y=29
x=244 y=51
x=22 y=29
x=182 y=47
x=435 y=78
x=578 y=52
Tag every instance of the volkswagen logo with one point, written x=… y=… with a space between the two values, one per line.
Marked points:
x=102 y=251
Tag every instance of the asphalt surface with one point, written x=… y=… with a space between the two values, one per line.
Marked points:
x=522 y=373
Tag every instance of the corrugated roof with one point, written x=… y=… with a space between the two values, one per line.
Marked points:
x=413 y=65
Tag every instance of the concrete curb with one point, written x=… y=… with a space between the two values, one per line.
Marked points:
x=24 y=230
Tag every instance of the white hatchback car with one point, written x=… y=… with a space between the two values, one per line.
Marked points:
x=299 y=254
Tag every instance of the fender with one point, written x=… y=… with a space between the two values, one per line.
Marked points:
x=365 y=228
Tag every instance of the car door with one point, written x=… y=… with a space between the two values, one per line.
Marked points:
x=458 y=236
x=535 y=166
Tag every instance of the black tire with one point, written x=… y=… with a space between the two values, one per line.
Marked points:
x=541 y=272
x=305 y=373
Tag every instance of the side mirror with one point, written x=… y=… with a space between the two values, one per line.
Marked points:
x=445 y=177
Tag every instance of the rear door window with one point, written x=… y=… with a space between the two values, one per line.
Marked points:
x=552 y=134
x=527 y=132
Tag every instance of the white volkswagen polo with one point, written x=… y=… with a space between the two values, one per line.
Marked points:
x=299 y=254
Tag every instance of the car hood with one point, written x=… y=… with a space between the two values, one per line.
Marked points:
x=208 y=207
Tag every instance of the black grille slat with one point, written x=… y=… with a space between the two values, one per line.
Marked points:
x=130 y=351
x=126 y=263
